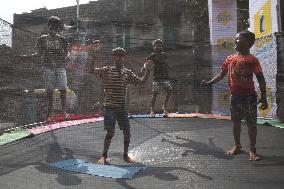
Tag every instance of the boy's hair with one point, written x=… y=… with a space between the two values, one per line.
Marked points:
x=250 y=37
x=55 y=22
x=158 y=41
x=119 y=51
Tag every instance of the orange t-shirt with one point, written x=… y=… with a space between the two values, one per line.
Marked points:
x=240 y=70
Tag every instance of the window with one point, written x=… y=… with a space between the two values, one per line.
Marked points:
x=170 y=36
x=123 y=36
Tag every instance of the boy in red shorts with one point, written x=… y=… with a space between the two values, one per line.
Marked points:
x=240 y=68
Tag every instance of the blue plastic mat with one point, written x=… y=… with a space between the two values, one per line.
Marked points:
x=112 y=171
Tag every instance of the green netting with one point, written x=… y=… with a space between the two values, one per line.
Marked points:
x=13 y=136
x=271 y=122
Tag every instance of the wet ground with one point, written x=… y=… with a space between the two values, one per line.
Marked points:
x=181 y=153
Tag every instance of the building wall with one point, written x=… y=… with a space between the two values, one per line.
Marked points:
x=108 y=20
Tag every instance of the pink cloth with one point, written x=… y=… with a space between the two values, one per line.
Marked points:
x=51 y=127
x=199 y=115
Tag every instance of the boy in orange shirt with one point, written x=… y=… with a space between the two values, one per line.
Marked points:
x=240 y=68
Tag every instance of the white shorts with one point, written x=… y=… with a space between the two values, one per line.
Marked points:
x=55 y=79
x=162 y=85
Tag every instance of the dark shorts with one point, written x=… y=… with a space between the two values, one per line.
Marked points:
x=113 y=115
x=244 y=108
x=162 y=85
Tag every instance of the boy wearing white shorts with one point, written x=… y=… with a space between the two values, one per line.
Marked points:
x=52 y=49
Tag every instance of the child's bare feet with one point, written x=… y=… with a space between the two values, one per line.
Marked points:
x=234 y=151
x=127 y=159
x=48 y=120
x=66 y=117
x=253 y=155
x=102 y=161
x=166 y=112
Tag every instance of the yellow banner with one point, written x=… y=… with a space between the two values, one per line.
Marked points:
x=263 y=20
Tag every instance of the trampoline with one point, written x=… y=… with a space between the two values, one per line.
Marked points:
x=178 y=153
x=185 y=150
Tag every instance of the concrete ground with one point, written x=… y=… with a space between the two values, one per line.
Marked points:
x=181 y=153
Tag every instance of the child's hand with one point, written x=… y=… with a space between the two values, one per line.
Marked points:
x=264 y=104
x=96 y=45
x=68 y=58
x=148 y=64
x=204 y=83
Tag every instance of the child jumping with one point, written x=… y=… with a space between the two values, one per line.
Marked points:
x=115 y=80
x=240 y=68
x=52 y=50
x=161 y=79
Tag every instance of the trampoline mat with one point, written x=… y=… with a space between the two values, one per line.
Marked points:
x=179 y=153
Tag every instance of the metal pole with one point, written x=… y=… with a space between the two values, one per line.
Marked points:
x=78 y=4
x=77 y=8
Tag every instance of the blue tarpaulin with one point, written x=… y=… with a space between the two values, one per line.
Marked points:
x=110 y=170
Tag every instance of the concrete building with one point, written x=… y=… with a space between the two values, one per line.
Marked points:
x=133 y=24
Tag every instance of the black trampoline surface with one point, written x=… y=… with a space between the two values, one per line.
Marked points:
x=181 y=153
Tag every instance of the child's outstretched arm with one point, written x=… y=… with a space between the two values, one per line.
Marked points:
x=262 y=86
x=32 y=60
x=94 y=70
x=147 y=66
x=146 y=69
x=143 y=70
x=217 y=78
x=100 y=72
x=28 y=56
x=38 y=52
